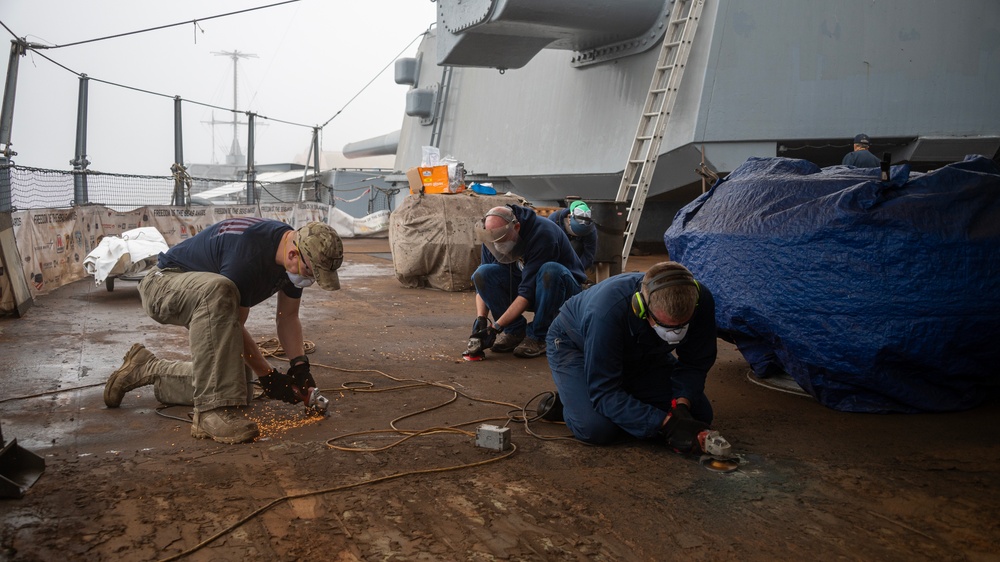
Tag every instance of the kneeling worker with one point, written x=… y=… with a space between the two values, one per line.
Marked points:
x=208 y=284
x=527 y=264
x=630 y=356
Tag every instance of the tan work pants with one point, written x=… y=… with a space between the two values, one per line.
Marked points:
x=207 y=304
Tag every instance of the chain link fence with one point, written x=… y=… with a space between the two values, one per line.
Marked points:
x=27 y=188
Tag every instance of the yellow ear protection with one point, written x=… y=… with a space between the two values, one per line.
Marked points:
x=668 y=278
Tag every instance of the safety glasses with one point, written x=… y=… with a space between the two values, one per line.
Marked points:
x=308 y=273
x=667 y=326
x=493 y=235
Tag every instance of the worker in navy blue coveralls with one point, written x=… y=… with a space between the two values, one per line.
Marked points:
x=208 y=283
x=630 y=356
x=860 y=157
x=528 y=264
x=579 y=228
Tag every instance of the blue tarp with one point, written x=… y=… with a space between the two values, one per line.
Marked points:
x=874 y=296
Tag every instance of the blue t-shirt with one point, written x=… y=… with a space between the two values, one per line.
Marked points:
x=242 y=249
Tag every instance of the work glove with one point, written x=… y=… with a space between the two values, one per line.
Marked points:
x=301 y=378
x=279 y=387
x=484 y=331
x=681 y=430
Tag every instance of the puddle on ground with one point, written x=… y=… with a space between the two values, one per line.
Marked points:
x=358 y=270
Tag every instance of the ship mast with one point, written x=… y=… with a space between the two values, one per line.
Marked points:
x=235 y=156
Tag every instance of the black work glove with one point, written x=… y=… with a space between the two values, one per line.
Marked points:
x=485 y=331
x=681 y=430
x=279 y=387
x=299 y=371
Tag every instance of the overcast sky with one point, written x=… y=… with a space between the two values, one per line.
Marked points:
x=312 y=57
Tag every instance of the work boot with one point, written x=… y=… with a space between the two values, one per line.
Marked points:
x=507 y=341
x=550 y=408
x=529 y=348
x=225 y=425
x=129 y=376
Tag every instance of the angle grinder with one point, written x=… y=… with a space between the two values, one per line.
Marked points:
x=474 y=351
x=718 y=455
x=316 y=404
x=482 y=338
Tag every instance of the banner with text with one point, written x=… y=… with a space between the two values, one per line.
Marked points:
x=54 y=243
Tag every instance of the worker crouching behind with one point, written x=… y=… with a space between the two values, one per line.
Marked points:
x=528 y=264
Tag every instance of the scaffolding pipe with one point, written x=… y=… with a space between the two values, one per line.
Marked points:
x=6 y=124
x=315 y=150
x=178 y=168
x=17 y=50
x=80 y=196
x=251 y=173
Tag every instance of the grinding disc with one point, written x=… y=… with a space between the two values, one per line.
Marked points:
x=720 y=465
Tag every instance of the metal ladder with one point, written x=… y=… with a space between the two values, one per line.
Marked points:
x=659 y=103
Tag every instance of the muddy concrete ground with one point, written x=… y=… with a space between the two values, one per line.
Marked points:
x=131 y=483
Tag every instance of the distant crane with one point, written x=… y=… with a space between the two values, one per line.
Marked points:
x=235 y=155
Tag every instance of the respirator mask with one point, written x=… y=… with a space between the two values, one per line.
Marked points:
x=501 y=241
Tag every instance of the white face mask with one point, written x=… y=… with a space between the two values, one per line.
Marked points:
x=671 y=336
x=298 y=280
x=505 y=247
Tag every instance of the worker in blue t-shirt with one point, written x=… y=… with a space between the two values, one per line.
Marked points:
x=208 y=283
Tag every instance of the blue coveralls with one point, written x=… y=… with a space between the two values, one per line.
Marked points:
x=615 y=375
x=548 y=273
x=585 y=246
x=861 y=159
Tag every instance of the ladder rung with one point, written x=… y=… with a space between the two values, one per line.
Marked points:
x=635 y=181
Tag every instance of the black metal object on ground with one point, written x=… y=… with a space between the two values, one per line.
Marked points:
x=19 y=468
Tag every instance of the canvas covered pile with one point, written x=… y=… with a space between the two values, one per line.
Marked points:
x=433 y=241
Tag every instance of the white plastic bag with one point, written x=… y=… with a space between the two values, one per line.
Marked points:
x=431 y=156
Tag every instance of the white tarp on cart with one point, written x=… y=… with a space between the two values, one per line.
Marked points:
x=131 y=254
x=374 y=225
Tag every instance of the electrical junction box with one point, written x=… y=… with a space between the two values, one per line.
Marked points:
x=493 y=437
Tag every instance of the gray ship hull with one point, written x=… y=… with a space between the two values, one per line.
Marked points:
x=795 y=78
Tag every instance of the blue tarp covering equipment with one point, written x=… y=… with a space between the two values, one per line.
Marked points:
x=874 y=296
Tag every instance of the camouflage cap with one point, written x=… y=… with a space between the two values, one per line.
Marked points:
x=323 y=249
